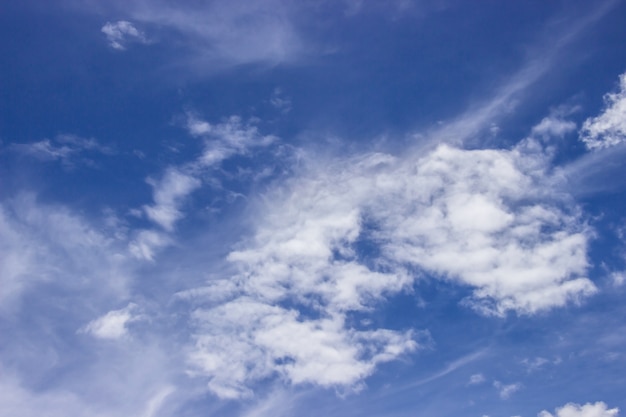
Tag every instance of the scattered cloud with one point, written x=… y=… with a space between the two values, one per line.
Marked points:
x=122 y=32
x=556 y=123
x=169 y=194
x=535 y=364
x=618 y=278
x=246 y=340
x=598 y=409
x=609 y=128
x=222 y=140
x=69 y=149
x=476 y=379
x=295 y=299
x=112 y=325
x=280 y=101
x=506 y=390
x=483 y=218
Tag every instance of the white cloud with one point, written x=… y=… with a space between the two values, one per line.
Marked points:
x=245 y=340
x=476 y=379
x=112 y=325
x=506 y=390
x=168 y=196
x=598 y=409
x=609 y=128
x=459 y=215
x=222 y=140
x=452 y=212
x=120 y=33
x=483 y=218
x=553 y=125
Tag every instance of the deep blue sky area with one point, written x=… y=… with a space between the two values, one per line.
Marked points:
x=293 y=208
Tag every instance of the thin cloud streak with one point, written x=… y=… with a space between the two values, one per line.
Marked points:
x=479 y=116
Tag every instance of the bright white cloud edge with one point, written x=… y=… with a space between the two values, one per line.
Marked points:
x=487 y=219
x=609 y=127
x=598 y=409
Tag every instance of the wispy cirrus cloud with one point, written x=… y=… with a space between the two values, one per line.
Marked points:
x=121 y=33
x=169 y=193
x=216 y=34
x=70 y=150
x=221 y=141
x=279 y=101
x=52 y=245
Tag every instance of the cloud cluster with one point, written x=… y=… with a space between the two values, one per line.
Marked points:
x=220 y=141
x=598 y=409
x=246 y=340
x=344 y=235
x=609 y=128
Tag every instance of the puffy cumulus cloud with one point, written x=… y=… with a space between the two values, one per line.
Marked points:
x=344 y=235
x=609 y=128
x=598 y=409
x=122 y=32
x=246 y=340
x=113 y=325
x=485 y=219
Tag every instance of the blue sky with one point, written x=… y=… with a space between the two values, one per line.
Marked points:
x=339 y=208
